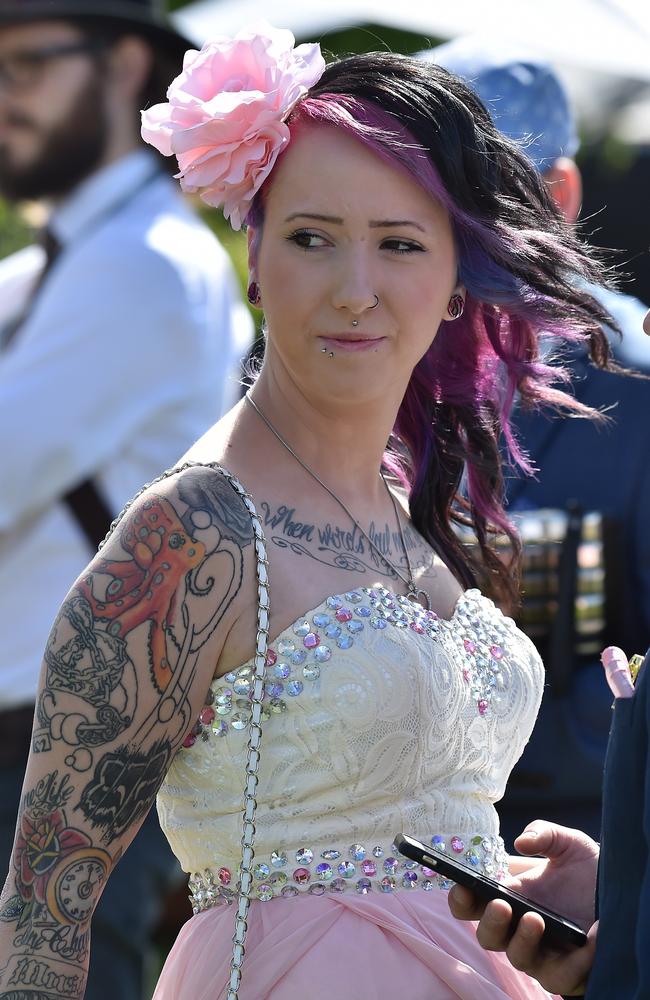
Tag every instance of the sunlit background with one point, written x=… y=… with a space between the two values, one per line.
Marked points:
x=601 y=49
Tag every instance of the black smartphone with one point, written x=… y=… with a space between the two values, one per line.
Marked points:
x=558 y=931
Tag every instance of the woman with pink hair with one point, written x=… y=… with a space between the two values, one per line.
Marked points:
x=283 y=637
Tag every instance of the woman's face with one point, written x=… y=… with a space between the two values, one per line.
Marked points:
x=343 y=228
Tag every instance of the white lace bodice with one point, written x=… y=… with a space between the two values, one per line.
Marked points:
x=379 y=717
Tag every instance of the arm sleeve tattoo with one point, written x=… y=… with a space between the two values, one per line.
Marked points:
x=126 y=667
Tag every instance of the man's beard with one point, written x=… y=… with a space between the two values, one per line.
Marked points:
x=71 y=151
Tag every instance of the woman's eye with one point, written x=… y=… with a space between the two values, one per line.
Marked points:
x=306 y=239
x=401 y=246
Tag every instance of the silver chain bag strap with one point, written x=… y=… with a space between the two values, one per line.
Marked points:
x=255 y=723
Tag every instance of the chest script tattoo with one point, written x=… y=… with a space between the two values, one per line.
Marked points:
x=345 y=548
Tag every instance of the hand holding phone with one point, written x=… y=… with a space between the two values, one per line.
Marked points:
x=559 y=931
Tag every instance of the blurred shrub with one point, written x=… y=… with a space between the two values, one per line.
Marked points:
x=15 y=233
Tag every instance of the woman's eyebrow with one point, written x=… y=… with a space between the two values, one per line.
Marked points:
x=386 y=223
x=337 y=221
x=314 y=215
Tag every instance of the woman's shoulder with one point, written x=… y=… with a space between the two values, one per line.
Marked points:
x=181 y=562
x=187 y=538
x=187 y=500
x=204 y=494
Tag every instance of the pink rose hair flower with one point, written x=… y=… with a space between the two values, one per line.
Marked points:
x=225 y=120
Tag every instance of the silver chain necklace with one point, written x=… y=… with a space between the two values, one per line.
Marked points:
x=413 y=592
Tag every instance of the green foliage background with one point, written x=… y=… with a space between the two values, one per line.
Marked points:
x=14 y=231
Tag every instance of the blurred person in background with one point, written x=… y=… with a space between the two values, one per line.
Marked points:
x=605 y=888
x=591 y=479
x=120 y=342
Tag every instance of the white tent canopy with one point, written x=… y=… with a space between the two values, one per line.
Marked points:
x=608 y=36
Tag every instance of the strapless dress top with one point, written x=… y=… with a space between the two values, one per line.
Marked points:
x=379 y=717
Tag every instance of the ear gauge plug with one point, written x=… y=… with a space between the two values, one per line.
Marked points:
x=456 y=306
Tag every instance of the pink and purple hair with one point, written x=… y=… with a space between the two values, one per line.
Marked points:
x=522 y=267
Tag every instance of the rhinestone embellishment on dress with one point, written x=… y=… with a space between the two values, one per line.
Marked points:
x=476 y=637
x=318 y=873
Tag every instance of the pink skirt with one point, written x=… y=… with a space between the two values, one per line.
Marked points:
x=406 y=946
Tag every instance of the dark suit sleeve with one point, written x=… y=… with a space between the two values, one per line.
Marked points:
x=642 y=543
x=642 y=937
x=621 y=967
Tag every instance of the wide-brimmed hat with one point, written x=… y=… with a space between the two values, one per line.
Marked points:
x=147 y=17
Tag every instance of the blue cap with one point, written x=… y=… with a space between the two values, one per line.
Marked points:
x=522 y=93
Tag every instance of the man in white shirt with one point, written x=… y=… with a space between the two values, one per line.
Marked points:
x=120 y=343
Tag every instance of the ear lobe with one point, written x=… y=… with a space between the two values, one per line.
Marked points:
x=251 y=244
x=253 y=293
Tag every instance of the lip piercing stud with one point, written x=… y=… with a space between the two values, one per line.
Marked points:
x=323 y=350
x=331 y=354
x=355 y=322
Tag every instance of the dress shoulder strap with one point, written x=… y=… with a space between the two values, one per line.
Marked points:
x=255 y=723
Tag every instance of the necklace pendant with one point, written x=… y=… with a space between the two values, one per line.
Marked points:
x=420 y=596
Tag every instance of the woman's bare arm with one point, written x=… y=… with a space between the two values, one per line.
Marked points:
x=127 y=664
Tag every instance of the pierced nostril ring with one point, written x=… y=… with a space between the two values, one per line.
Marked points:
x=376 y=302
